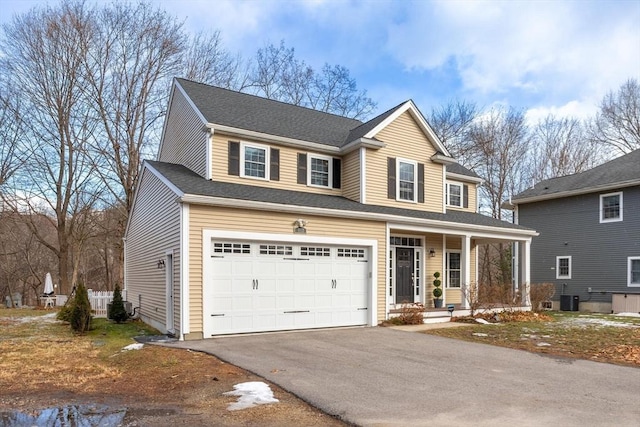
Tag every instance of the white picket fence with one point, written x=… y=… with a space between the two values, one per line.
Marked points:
x=99 y=301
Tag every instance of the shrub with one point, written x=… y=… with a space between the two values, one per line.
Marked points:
x=117 y=311
x=81 y=311
x=539 y=292
x=65 y=312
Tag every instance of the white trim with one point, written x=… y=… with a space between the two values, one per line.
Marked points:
x=588 y=190
x=267 y=160
x=419 y=118
x=603 y=220
x=413 y=163
x=372 y=245
x=629 y=259
x=444 y=190
x=265 y=137
x=185 y=326
x=416 y=224
x=209 y=154
x=387 y=248
x=363 y=175
x=329 y=161
x=558 y=275
x=447 y=193
x=457 y=176
x=169 y=288
x=362 y=143
x=124 y=267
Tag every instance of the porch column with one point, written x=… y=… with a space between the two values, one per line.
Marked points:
x=525 y=271
x=465 y=269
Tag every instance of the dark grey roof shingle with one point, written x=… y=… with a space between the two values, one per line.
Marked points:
x=461 y=170
x=190 y=182
x=619 y=170
x=250 y=112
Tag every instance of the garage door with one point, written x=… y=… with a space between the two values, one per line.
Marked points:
x=272 y=286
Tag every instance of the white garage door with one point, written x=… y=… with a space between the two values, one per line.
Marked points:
x=256 y=287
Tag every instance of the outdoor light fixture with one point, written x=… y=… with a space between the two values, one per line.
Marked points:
x=299 y=226
x=432 y=252
x=160 y=264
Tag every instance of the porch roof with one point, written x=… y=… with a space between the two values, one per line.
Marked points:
x=190 y=183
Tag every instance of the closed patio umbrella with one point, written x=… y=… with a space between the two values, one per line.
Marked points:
x=48 y=285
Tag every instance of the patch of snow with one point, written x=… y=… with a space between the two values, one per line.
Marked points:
x=47 y=318
x=136 y=346
x=482 y=321
x=251 y=394
x=543 y=344
x=595 y=321
x=480 y=334
x=628 y=314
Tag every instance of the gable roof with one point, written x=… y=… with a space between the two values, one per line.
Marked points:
x=458 y=169
x=190 y=183
x=242 y=111
x=623 y=171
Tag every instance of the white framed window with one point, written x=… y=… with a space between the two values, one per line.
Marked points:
x=454 y=269
x=563 y=267
x=254 y=161
x=454 y=194
x=633 y=275
x=611 y=207
x=320 y=170
x=406 y=180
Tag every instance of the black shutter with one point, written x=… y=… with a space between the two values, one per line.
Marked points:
x=420 y=182
x=391 y=178
x=465 y=196
x=337 y=172
x=234 y=158
x=274 y=169
x=302 y=168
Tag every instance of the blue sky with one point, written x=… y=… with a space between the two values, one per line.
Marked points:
x=545 y=57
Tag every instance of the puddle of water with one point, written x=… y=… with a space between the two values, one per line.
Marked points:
x=67 y=416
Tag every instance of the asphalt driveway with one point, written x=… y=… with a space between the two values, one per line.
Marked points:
x=385 y=377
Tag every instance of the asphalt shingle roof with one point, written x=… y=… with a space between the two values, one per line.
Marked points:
x=619 y=170
x=461 y=170
x=190 y=182
x=245 y=111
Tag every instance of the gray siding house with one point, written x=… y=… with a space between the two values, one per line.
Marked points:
x=589 y=242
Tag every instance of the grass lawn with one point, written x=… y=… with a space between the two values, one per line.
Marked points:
x=598 y=337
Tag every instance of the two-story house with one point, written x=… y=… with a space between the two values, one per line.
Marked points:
x=260 y=216
x=589 y=225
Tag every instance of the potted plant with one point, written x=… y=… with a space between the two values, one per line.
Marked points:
x=437 y=292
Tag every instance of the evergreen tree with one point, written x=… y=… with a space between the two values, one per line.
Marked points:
x=117 y=311
x=81 y=312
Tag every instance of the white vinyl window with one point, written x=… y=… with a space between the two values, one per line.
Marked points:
x=320 y=170
x=454 y=194
x=611 y=207
x=454 y=271
x=633 y=276
x=563 y=267
x=406 y=180
x=254 y=161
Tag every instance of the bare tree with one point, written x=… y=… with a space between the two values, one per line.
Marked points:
x=617 y=124
x=11 y=129
x=277 y=74
x=451 y=122
x=560 y=147
x=43 y=54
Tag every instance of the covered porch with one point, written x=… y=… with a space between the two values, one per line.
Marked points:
x=416 y=253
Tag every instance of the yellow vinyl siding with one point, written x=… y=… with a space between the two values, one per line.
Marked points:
x=433 y=264
x=406 y=140
x=351 y=175
x=206 y=217
x=154 y=229
x=185 y=140
x=288 y=167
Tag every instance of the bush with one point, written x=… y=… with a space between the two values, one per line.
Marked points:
x=410 y=314
x=539 y=292
x=117 y=312
x=65 y=312
x=81 y=311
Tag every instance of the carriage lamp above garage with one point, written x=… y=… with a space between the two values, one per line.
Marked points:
x=299 y=226
x=432 y=252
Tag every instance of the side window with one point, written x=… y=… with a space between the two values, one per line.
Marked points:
x=453 y=270
x=320 y=170
x=611 y=207
x=454 y=194
x=633 y=277
x=406 y=180
x=254 y=161
x=563 y=267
